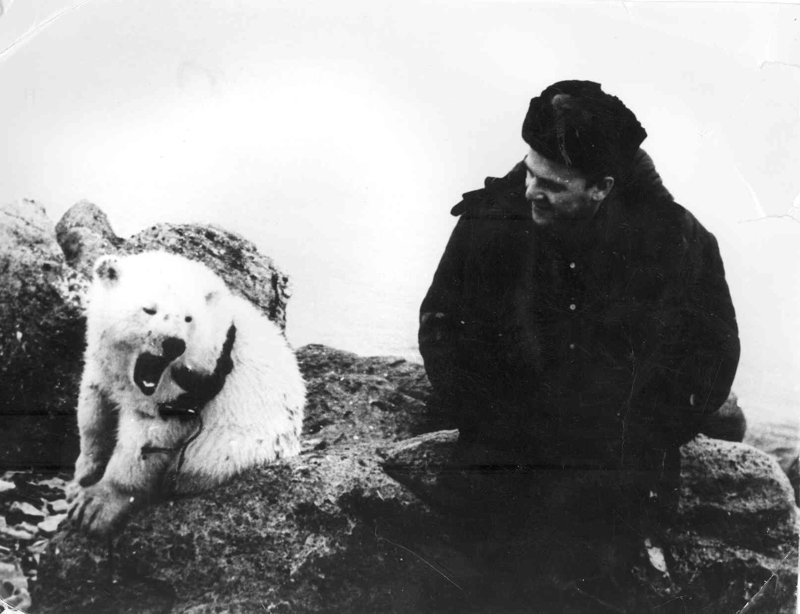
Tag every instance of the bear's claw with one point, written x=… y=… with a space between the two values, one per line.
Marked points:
x=98 y=510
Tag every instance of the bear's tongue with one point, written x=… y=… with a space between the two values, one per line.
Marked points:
x=147 y=372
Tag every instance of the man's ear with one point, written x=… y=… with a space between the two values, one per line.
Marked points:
x=601 y=189
x=107 y=269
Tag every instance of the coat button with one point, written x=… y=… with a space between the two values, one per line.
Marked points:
x=572 y=346
x=572 y=306
x=572 y=265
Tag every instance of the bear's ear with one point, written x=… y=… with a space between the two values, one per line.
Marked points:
x=107 y=269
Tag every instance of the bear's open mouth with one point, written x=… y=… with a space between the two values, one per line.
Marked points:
x=148 y=370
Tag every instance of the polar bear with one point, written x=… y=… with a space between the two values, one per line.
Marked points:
x=184 y=386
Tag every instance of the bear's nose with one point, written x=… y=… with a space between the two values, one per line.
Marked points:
x=173 y=347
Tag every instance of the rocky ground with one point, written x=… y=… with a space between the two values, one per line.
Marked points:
x=33 y=506
x=330 y=530
x=354 y=404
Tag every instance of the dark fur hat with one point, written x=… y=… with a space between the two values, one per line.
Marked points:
x=577 y=124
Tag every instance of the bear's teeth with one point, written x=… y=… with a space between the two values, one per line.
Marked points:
x=148 y=385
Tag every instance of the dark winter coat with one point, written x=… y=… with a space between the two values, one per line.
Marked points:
x=604 y=353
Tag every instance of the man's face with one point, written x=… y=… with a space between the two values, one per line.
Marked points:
x=558 y=193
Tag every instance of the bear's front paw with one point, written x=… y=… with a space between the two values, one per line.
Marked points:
x=99 y=509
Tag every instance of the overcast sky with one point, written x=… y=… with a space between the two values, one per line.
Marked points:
x=337 y=135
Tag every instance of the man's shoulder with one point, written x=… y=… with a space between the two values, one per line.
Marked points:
x=672 y=216
x=648 y=200
x=499 y=198
x=666 y=231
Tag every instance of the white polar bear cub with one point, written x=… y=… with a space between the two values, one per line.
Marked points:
x=151 y=317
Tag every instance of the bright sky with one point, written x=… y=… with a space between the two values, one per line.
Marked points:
x=338 y=135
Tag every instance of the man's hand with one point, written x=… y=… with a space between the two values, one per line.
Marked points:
x=201 y=387
x=431 y=325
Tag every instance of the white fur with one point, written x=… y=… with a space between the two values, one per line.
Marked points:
x=256 y=417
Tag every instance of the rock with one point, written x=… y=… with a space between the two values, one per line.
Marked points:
x=738 y=493
x=85 y=233
x=51 y=489
x=6 y=486
x=20 y=532
x=781 y=439
x=26 y=511
x=425 y=465
x=50 y=525
x=313 y=534
x=27 y=527
x=248 y=272
x=13 y=586
x=352 y=398
x=38 y=547
x=728 y=422
x=793 y=473
x=735 y=533
x=41 y=340
x=58 y=506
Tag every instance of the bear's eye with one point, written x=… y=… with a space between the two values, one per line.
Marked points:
x=151 y=311
x=187 y=319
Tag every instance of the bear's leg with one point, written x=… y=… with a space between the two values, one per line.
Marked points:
x=131 y=478
x=97 y=423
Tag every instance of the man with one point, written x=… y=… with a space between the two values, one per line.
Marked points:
x=579 y=318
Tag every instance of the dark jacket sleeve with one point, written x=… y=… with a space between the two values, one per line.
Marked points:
x=702 y=353
x=458 y=387
x=454 y=345
x=454 y=336
x=440 y=312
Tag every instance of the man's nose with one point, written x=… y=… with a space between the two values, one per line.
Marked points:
x=531 y=191
x=173 y=347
